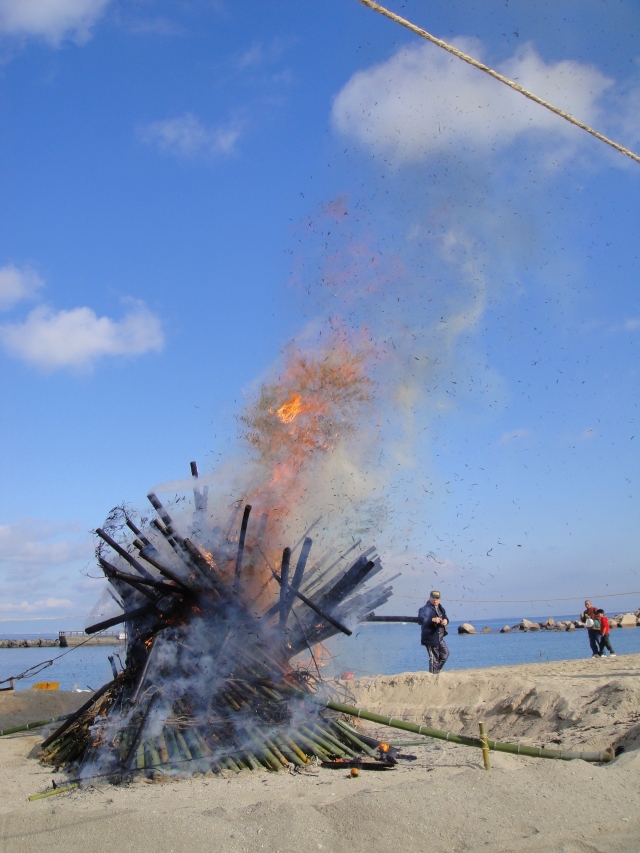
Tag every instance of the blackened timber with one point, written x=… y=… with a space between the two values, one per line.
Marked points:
x=128 y=616
x=202 y=565
x=297 y=578
x=151 y=555
x=284 y=585
x=243 y=534
x=184 y=548
x=132 y=527
x=348 y=582
x=111 y=572
x=159 y=508
x=124 y=554
x=76 y=715
x=159 y=585
x=318 y=610
x=194 y=468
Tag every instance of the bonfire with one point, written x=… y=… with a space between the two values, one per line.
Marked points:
x=219 y=614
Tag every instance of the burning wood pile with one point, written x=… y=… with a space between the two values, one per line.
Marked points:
x=214 y=619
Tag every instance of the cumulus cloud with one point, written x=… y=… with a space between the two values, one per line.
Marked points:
x=17 y=284
x=78 y=338
x=186 y=136
x=33 y=606
x=38 y=544
x=52 y=20
x=423 y=101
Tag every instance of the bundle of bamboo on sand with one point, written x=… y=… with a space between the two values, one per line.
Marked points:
x=212 y=625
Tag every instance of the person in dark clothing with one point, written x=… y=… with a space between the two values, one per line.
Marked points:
x=434 y=621
x=589 y=615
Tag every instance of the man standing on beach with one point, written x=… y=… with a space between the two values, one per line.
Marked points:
x=588 y=616
x=434 y=621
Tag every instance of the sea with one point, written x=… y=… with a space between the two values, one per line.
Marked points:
x=374 y=648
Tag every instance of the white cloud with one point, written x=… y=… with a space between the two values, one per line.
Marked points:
x=186 y=136
x=17 y=284
x=513 y=435
x=33 y=606
x=424 y=101
x=51 y=20
x=39 y=544
x=77 y=338
x=632 y=324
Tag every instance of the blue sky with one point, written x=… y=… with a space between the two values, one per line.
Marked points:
x=186 y=187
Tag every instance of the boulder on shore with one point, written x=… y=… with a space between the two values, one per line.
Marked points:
x=466 y=628
x=506 y=629
x=570 y=627
x=486 y=630
x=528 y=625
x=629 y=620
x=550 y=623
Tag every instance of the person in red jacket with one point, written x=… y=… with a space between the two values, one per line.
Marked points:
x=605 y=642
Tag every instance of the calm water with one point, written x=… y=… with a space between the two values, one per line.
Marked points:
x=87 y=666
x=373 y=649
x=393 y=648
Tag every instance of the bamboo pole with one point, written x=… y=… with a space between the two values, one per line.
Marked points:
x=498 y=746
x=485 y=746
x=482 y=67
x=37 y=725
x=61 y=789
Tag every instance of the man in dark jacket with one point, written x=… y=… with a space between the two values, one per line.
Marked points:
x=591 y=613
x=434 y=621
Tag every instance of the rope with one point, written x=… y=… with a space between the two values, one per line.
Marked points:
x=466 y=58
x=37 y=668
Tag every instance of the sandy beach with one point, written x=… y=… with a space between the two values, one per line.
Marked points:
x=442 y=801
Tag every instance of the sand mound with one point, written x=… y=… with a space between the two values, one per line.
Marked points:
x=29 y=706
x=589 y=702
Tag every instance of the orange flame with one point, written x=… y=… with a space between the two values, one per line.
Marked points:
x=290 y=409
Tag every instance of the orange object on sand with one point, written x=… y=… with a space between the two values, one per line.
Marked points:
x=46 y=685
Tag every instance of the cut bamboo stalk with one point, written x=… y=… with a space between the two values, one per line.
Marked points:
x=294 y=747
x=162 y=749
x=52 y=792
x=485 y=747
x=140 y=762
x=355 y=740
x=288 y=753
x=274 y=749
x=334 y=740
x=331 y=748
x=182 y=743
x=39 y=724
